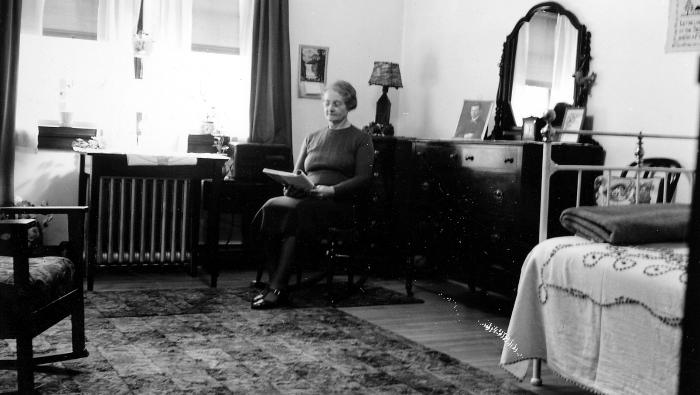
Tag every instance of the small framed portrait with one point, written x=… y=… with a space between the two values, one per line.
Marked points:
x=475 y=119
x=529 y=128
x=313 y=64
x=573 y=120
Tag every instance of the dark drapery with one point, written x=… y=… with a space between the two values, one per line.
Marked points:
x=270 y=93
x=10 y=16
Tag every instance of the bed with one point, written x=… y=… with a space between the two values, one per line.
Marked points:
x=604 y=311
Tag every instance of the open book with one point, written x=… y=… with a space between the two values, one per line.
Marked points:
x=300 y=181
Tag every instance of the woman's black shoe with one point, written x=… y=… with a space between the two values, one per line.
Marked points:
x=263 y=304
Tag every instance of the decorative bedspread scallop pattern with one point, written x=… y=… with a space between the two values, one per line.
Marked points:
x=652 y=277
x=49 y=277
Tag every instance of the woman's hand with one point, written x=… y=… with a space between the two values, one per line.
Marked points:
x=294 y=192
x=322 y=192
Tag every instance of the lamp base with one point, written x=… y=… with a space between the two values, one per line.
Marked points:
x=377 y=129
x=383 y=108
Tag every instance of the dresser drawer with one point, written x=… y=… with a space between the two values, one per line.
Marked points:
x=500 y=195
x=497 y=158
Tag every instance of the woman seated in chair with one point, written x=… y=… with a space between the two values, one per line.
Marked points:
x=338 y=159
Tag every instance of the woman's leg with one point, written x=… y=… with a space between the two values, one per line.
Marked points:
x=279 y=277
x=271 y=256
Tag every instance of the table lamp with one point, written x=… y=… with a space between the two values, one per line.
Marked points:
x=387 y=75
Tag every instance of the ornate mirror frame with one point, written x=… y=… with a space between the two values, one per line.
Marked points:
x=504 y=114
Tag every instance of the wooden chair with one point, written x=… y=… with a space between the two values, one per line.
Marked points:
x=342 y=247
x=37 y=293
x=339 y=248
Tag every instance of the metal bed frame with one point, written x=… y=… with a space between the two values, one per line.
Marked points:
x=550 y=167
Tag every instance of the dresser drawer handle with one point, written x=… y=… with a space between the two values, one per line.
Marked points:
x=376 y=152
x=498 y=193
x=375 y=174
x=375 y=199
x=468 y=158
x=425 y=186
x=509 y=160
x=495 y=237
x=453 y=156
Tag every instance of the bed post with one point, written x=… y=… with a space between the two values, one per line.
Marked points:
x=544 y=187
x=547 y=165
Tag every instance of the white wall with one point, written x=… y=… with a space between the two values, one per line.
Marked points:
x=448 y=51
x=451 y=51
x=357 y=32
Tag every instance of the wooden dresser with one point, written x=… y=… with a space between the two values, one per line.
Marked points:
x=472 y=207
x=386 y=242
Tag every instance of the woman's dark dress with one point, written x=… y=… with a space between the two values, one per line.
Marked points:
x=331 y=156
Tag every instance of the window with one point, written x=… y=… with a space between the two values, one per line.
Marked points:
x=71 y=19
x=215 y=26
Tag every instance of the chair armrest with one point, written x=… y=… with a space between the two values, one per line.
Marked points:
x=76 y=227
x=13 y=232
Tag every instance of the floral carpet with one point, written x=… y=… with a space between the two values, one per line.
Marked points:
x=209 y=341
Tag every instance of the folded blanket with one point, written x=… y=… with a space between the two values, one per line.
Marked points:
x=633 y=224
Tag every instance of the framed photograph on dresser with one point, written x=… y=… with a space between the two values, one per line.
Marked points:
x=573 y=120
x=475 y=119
x=529 y=128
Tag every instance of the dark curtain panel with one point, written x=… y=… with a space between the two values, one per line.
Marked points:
x=10 y=16
x=270 y=93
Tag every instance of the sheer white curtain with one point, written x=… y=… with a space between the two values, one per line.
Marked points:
x=116 y=25
x=179 y=87
x=116 y=20
x=168 y=90
x=565 y=45
x=32 y=16
x=519 y=97
x=246 y=9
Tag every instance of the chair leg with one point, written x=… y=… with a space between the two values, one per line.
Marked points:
x=330 y=256
x=25 y=365
x=90 y=274
x=299 y=271
x=78 y=327
x=409 y=275
x=258 y=283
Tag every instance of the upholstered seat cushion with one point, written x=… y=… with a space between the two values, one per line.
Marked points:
x=49 y=278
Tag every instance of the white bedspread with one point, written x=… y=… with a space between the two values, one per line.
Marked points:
x=606 y=317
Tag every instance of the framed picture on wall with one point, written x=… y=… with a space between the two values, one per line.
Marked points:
x=573 y=120
x=313 y=64
x=474 y=120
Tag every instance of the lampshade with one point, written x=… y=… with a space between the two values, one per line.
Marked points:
x=386 y=74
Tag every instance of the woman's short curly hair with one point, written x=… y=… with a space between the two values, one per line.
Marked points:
x=346 y=91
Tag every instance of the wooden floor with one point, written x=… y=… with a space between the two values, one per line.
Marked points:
x=449 y=321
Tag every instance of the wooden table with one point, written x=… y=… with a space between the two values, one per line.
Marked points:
x=145 y=209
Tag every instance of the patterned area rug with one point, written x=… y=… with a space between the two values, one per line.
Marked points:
x=209 y=341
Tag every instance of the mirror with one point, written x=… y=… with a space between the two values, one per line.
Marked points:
x=540 y=56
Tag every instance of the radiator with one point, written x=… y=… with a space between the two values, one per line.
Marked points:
x=143 y=221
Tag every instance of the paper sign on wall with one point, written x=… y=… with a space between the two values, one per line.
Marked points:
x=683 y=26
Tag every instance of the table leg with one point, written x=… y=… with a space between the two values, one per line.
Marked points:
x=213 y=230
